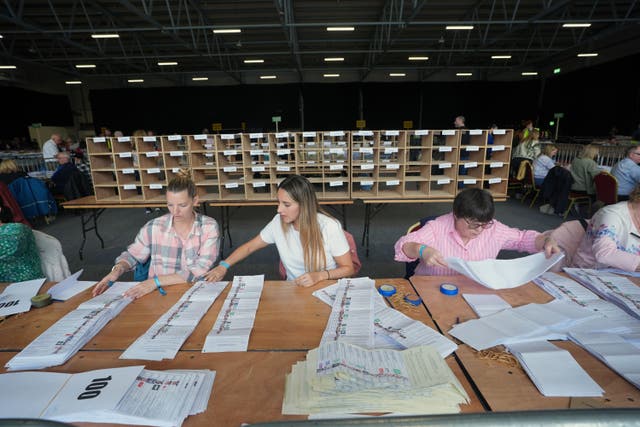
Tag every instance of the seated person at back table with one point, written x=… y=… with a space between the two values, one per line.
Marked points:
x=182 y=245
x=311 y=244
x=544 y=163
x=470 y=233
x=627 y=172
x=19 y=256
x=583 y=169
x=62 y=174
x=613 y=237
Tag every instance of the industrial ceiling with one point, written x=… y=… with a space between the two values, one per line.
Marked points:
x=284 y=41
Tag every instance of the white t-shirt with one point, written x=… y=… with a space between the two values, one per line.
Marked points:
x=50 y=150
x=290 y=247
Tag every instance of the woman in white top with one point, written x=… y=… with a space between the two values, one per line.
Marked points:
x=311 y=244
x=544 y=163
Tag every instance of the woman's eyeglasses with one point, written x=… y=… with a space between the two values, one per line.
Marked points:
x=473 y=225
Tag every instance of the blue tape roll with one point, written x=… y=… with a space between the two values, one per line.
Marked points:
x=387 y=290
x=413 y=299
x=449 y=289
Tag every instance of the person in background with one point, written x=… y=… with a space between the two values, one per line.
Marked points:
x=9 y=171
x=469 y=232
x=583 y=169
x=627 y=172
x=544 y=163
x=118 y=134
x=51 y=148
x=311 y=244
x=61 y=176
x=529 y=147
x=82 y=165
x=180 y=246
x=19 y=256
x=613 y=237
x=527 y=129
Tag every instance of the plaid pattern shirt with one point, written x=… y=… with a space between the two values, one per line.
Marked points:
x=190 y=258
x=84 y=168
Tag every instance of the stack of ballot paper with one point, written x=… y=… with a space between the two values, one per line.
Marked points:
x=505 y=273
x=339 y=377
x=615 y=351
x=617 y=289
x=16 y=298
x=553 y=370
x=485 y=304
x=130 y=395
x=235 y=322
x=525 y=323
x=351 y=318
x=614 y=319
x=165 y=337
x=392 y=328
x=69 y=334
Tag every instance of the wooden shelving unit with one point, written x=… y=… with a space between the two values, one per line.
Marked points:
x=342 y=165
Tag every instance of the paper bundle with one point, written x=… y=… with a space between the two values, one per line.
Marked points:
x=68 y=335
x=339 y=377
x=130 y=395
x=165 y=337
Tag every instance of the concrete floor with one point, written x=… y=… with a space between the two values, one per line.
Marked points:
x=118 y=228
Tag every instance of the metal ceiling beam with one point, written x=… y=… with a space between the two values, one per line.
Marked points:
x=285 y=14
x=153 y=22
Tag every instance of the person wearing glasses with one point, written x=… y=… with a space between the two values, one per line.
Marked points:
x=469 y=232
x=627 y=172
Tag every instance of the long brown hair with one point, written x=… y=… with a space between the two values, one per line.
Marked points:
x=301 y=191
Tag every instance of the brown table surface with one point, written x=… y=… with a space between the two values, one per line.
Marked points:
x=510 y=389
x=90 y=202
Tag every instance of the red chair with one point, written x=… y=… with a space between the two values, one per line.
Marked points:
x=357 y=265
x=606 y=188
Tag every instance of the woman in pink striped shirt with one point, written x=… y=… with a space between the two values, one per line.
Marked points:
x=470 y=233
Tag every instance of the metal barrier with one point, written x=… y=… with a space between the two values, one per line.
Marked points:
x=29 y=162
x=608 y=155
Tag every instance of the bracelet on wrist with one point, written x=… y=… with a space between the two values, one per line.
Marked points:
x=225 y=264
x=159 y=286
x=422 y=248
x=328 y=275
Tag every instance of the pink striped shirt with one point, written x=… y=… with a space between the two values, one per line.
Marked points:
x=442 y=235
x=191 y=258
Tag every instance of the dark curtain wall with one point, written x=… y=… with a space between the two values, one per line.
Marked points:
x=19 y=108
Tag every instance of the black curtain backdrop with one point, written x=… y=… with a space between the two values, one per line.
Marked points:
x=593 y=100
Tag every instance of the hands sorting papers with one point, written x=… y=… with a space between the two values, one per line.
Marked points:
x=505 y=273
x=130 y=395
x=342 y=378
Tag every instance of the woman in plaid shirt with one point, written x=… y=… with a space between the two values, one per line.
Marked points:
x=182 y=245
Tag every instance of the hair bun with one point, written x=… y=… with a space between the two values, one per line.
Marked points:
x=184 y=173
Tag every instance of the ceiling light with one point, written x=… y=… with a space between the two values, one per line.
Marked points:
x=1 y=36
x=86 y=66
x=340 y=28
x=336 y=59
x=464 y=74
x=227 y=31
x=73 y=82
x=587 y=55
x=500 y=56
x=135 y=80
x=105 y=36
x=7 y=67
x=459 y=27
x=267 y=77
x=199 y=79
x=556 y=70
x=397 y=74
x=331 y=75
x=418 y=58
x=529 y=73
x=253 y=61
x=576 y=25
x=162 y=64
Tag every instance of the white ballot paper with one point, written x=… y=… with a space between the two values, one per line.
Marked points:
x=393 y=329
x=342 y=378
x=129 y=395
x=553 y=370
x=165 y=337
x=485 y=304
x=16 y=297
x=69 y=287
x=351 y=318
x=235 y=321
x=65 y=337
x=504 y=273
